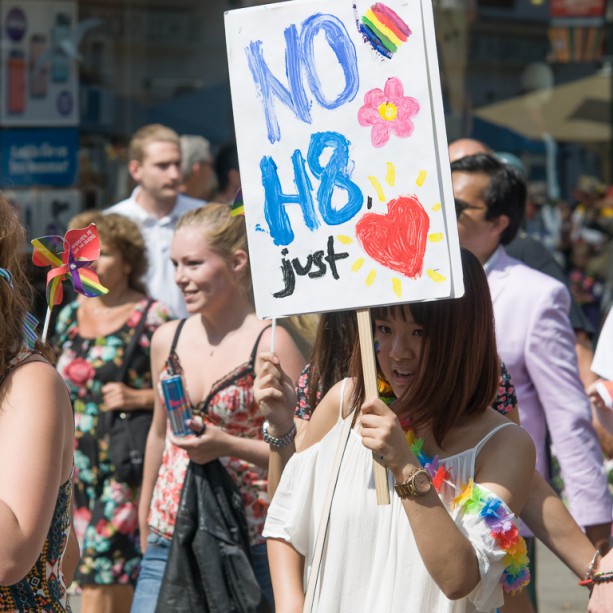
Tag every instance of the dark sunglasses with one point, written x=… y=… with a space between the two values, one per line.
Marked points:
x=461 y=206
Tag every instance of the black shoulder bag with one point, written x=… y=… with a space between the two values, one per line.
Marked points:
x=128 y=430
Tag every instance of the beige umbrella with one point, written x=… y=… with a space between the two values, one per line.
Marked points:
x=577 y=111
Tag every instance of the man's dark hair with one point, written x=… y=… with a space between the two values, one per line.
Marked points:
x=225 y=161
x=506 y=194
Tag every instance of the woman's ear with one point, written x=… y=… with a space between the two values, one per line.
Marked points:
x=127 y=268
x=239 y=261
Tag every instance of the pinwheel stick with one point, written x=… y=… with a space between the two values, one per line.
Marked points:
x=46 y=325
x=273 y=329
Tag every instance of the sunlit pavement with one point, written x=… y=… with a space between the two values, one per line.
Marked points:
x=557 y=587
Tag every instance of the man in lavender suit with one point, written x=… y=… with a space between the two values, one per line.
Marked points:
x=535 y=338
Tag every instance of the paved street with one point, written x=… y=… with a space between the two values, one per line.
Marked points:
x=557 y=586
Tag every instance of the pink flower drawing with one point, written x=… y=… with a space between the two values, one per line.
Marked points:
x=388 y=111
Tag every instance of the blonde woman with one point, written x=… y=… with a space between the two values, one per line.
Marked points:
x=217 y=347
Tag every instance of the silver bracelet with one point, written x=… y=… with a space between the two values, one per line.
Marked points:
x=282 y=441
x=592 y=567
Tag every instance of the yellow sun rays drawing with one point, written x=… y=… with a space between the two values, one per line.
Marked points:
x=434 y=237
x=436 y=276
x=378 y=188
x=390 y=177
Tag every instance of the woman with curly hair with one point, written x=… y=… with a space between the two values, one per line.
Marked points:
x=92 y=339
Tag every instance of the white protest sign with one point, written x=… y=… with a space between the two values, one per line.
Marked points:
x=343 y=155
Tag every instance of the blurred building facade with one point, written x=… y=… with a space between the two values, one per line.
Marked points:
x=78 y=77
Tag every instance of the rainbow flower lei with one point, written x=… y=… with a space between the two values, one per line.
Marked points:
x=476 y=501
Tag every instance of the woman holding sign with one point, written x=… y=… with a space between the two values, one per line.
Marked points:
x=215 y=350
x=448 y=458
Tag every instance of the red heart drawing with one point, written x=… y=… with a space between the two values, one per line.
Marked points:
x=398 y=239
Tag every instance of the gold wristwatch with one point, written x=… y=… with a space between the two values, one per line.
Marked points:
x=418 y=483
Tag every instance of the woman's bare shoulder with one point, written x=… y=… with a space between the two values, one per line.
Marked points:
x=35 y=369
x=285 y=347
x=28 y=392
x=269 y=331
x=164 y=334
x=328 y=412
x=506 y=463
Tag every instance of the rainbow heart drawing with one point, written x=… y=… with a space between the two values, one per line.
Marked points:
x=384 y=29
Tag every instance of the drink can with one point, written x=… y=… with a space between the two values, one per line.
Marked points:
x=177 y=404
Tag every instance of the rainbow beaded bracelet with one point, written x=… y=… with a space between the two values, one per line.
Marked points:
x=596 y=578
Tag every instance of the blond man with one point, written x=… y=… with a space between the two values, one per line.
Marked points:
x=156 y=205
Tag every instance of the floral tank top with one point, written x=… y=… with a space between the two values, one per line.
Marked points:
x=43 y=589
x=229 y=405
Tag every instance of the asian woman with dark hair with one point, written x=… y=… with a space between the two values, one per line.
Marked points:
x=447 y=457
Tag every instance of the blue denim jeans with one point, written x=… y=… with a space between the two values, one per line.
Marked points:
x=151 y=574
x=154 y=563
x=259 y=561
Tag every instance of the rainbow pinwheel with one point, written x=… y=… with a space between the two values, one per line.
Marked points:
x=69 y=257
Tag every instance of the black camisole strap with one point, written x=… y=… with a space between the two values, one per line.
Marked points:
x=173 y=364
x=175 y=340
x=254 y=351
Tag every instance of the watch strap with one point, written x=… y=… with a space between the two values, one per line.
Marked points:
x=408 y=489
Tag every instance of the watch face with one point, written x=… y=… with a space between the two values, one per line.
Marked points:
x=422 y=482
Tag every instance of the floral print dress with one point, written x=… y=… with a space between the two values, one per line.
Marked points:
x=43 y=588
x=105 y=510
x=230 y=405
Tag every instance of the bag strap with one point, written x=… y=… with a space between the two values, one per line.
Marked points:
x=325 y=515
x=127 y=358
x=133 y=344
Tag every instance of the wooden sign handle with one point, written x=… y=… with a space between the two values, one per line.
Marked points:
x=369 y=372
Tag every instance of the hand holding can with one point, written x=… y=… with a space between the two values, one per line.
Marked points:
x=177 y=404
